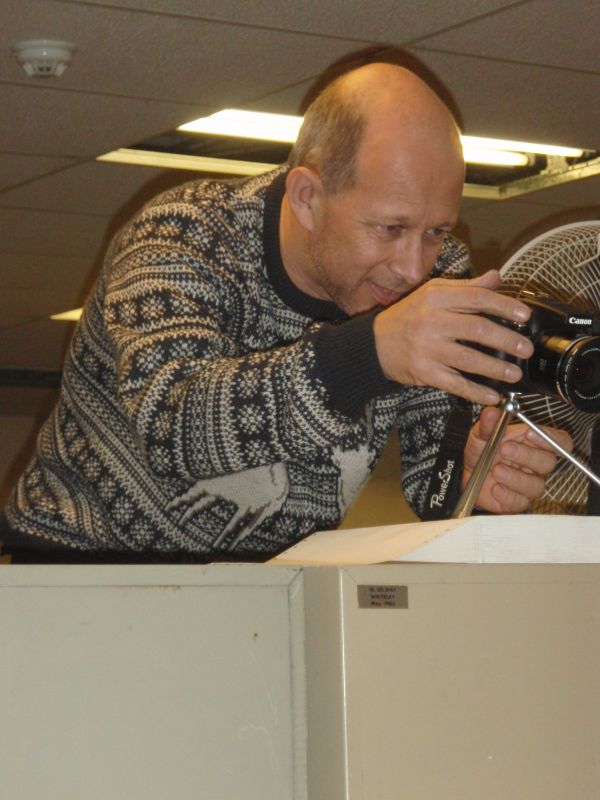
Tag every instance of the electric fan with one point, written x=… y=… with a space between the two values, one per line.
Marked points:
x=562 y=264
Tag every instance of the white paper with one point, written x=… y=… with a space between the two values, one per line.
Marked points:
x=505 y=539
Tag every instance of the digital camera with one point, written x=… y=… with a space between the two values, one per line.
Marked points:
x=566 y=358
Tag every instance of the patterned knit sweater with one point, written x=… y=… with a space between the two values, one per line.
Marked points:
x=209 y=407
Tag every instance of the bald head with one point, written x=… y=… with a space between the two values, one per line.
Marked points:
x=375 y=86
x=373 y=106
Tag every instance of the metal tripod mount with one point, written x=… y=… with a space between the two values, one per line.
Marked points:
x=510 y=408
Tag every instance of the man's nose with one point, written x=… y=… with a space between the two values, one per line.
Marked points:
x=407 y=260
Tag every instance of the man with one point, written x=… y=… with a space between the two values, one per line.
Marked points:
x=250 y=344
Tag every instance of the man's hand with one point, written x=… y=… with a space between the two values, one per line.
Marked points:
x=421 y=339
x=522 y=463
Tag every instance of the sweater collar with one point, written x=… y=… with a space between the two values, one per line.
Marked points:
x=312 y=307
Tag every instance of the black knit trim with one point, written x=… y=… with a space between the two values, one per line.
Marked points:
x=311 y=307
x=348 y=365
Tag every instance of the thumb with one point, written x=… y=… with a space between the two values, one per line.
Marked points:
x=487 y=422
x=489 y=280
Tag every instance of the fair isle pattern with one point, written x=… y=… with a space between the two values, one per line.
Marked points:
x=193 y=418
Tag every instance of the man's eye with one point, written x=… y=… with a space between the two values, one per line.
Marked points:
x=390 y=230
x=436 y=233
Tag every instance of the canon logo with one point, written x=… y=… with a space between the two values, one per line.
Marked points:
x=579 y=321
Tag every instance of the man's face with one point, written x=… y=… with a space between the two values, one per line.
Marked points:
x=378 y=240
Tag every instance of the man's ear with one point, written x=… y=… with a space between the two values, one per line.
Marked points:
x=304 y=191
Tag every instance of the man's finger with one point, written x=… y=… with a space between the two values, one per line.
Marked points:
x=467 y=360
x=477 y=295
x=559 y=436
x=509 y=501
x=535 y=459
x=488 y=419
x=487 y=333
x=457 y=384
x=521 y=483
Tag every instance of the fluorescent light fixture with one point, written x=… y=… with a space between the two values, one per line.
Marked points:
x=68 y=316
x=152 y=158
x=498 y=158
x=248 y=125
x=280 y=127
x=521 y=147
x=284 y=128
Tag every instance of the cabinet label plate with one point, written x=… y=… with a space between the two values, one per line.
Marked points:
x=382 y=596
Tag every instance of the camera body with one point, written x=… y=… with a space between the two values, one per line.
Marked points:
x=566 y=359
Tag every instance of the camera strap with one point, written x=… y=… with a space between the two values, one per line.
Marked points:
x=444 y=486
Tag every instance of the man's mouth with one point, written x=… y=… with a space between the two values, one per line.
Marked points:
x=383 y=296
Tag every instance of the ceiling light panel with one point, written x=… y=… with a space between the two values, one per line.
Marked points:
x=284 y=128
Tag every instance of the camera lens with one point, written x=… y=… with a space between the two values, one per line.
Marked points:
x=579 y=373
x=585 y=377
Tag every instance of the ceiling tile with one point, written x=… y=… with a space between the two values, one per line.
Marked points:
x=552 y=33
x=174 y=59
x=48 y=233
x=521 y=101
x=30 y=273
x=284 y=101
x=117 y=189
x=387 y=20
x=15 y=169
x=46 y=121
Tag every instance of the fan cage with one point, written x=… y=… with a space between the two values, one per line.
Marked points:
x=563 y=263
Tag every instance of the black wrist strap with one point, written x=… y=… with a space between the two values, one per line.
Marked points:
x=444 y=485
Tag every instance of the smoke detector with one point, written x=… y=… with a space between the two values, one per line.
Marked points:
x=44 y=58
